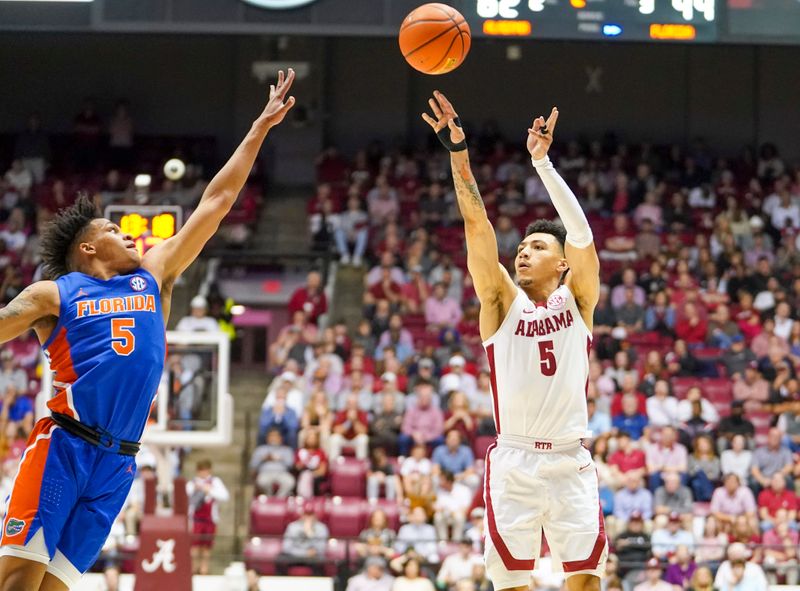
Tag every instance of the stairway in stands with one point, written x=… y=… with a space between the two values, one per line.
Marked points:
x=282 y=227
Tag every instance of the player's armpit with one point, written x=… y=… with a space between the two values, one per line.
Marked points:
x=35 y=303
x=583 y=278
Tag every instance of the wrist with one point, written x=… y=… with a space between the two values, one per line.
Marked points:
x=537 y=162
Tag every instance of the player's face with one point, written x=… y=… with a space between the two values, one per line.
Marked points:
x=111 y=246
x=539 y=258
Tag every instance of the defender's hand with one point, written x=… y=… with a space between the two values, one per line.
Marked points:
x=276 y=108
x=540 y=135
x=445 y=117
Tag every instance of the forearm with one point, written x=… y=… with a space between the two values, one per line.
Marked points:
x=230 y=179
x=579 y=234
x=470 y=203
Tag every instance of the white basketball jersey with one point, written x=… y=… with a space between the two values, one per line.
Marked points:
x=539 y=363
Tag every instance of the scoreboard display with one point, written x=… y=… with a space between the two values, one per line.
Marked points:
x=764 y=20
x=147 y=224
x=631 y=20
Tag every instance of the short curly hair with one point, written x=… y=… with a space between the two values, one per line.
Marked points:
x=548 y=227
x=61 y=234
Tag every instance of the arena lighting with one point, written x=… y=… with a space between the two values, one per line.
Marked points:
x=237 y=310
x=278 y=4
x=141 y=181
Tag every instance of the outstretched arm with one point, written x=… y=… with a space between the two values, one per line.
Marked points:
x=170 y=258
x=493 y=285
x=36 y=304
x=584 y=266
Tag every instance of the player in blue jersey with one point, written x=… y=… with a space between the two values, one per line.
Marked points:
x=100 y=319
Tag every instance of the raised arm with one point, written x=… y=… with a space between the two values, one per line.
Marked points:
x=36 y=307
x=493 y=285
x=169 y=259
x=584 y=266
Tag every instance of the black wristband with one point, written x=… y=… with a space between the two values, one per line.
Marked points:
x=444 y=137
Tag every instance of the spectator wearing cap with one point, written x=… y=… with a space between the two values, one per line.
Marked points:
x=458 y=566
x=384 y=428
x=458 y=378
x=398 y=338
x=350 y=429
x=770 y=459
x=11 y=373
x=423 y=423
x=738 y=573
x=475 y=528
x=653 y=578
x=418 y=535
x=631 y=420
x=425 y=372
x=751 y=388
x=271 y=464
x=738 y=356
x=453 y=500
x=198 y=319
x=633 y=497
x=455 y=457
x=310 y=298
x=681 y=568
x=731 y=500
x=441 y=310
x=668 y=455
x=735 y=424
x=632 y=546
x=627 y=458
x=287 y=385
x=304 y=543
x=389 y=386
x=776 y=497
x=665 y=540
x=673 y=498
x=373 y=578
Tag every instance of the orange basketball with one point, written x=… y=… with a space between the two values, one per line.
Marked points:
x=435 y=38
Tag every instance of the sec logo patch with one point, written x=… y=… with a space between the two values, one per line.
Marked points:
x=556 y=302
x=138 y=283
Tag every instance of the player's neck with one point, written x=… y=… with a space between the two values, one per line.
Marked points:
x=98 y=271
x=539 y=292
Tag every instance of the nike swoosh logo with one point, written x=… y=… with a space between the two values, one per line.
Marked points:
x=582 y=468
x=528 y=311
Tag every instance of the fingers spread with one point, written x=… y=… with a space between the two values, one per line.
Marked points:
x=435 y=108
x=552 y=119
x=429 y=120
x=444 y=102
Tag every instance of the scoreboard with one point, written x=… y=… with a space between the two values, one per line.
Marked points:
x=147 y=224
x=632 y=20
x=770 y=21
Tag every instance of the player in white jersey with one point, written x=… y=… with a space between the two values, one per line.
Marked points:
x=537 y=335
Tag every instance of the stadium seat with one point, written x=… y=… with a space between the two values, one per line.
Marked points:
x=260 y=553
x=269 y=516
x=718 y=390
x=481 y=444
x=348 y=478
x=345 y=517
x=680 y=386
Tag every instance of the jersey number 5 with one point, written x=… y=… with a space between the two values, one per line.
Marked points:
x=547 y=361
x=122 y=340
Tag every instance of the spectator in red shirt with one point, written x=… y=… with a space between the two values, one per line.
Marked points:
x=385 y=289
x=311 y=298
x=311 y=464
x=350 y=429
x=628 y=386
x=331 y=167
x=627 y=458
x=775 y=498
x=692 y=328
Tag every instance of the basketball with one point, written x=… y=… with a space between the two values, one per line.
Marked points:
x=435 y=38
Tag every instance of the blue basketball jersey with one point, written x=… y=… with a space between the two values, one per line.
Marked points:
x=107 y=351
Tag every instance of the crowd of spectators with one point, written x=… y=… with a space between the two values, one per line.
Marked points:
x=693 y=392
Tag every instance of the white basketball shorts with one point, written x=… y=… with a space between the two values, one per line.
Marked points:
x=531 y=485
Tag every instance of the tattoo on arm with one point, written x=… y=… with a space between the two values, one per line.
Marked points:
x=467 y=190
x=24 y=303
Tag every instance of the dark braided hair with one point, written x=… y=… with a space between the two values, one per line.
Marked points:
x=62 y=232
x=548 y=227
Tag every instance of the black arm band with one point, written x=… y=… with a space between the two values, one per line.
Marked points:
x=444 y=137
